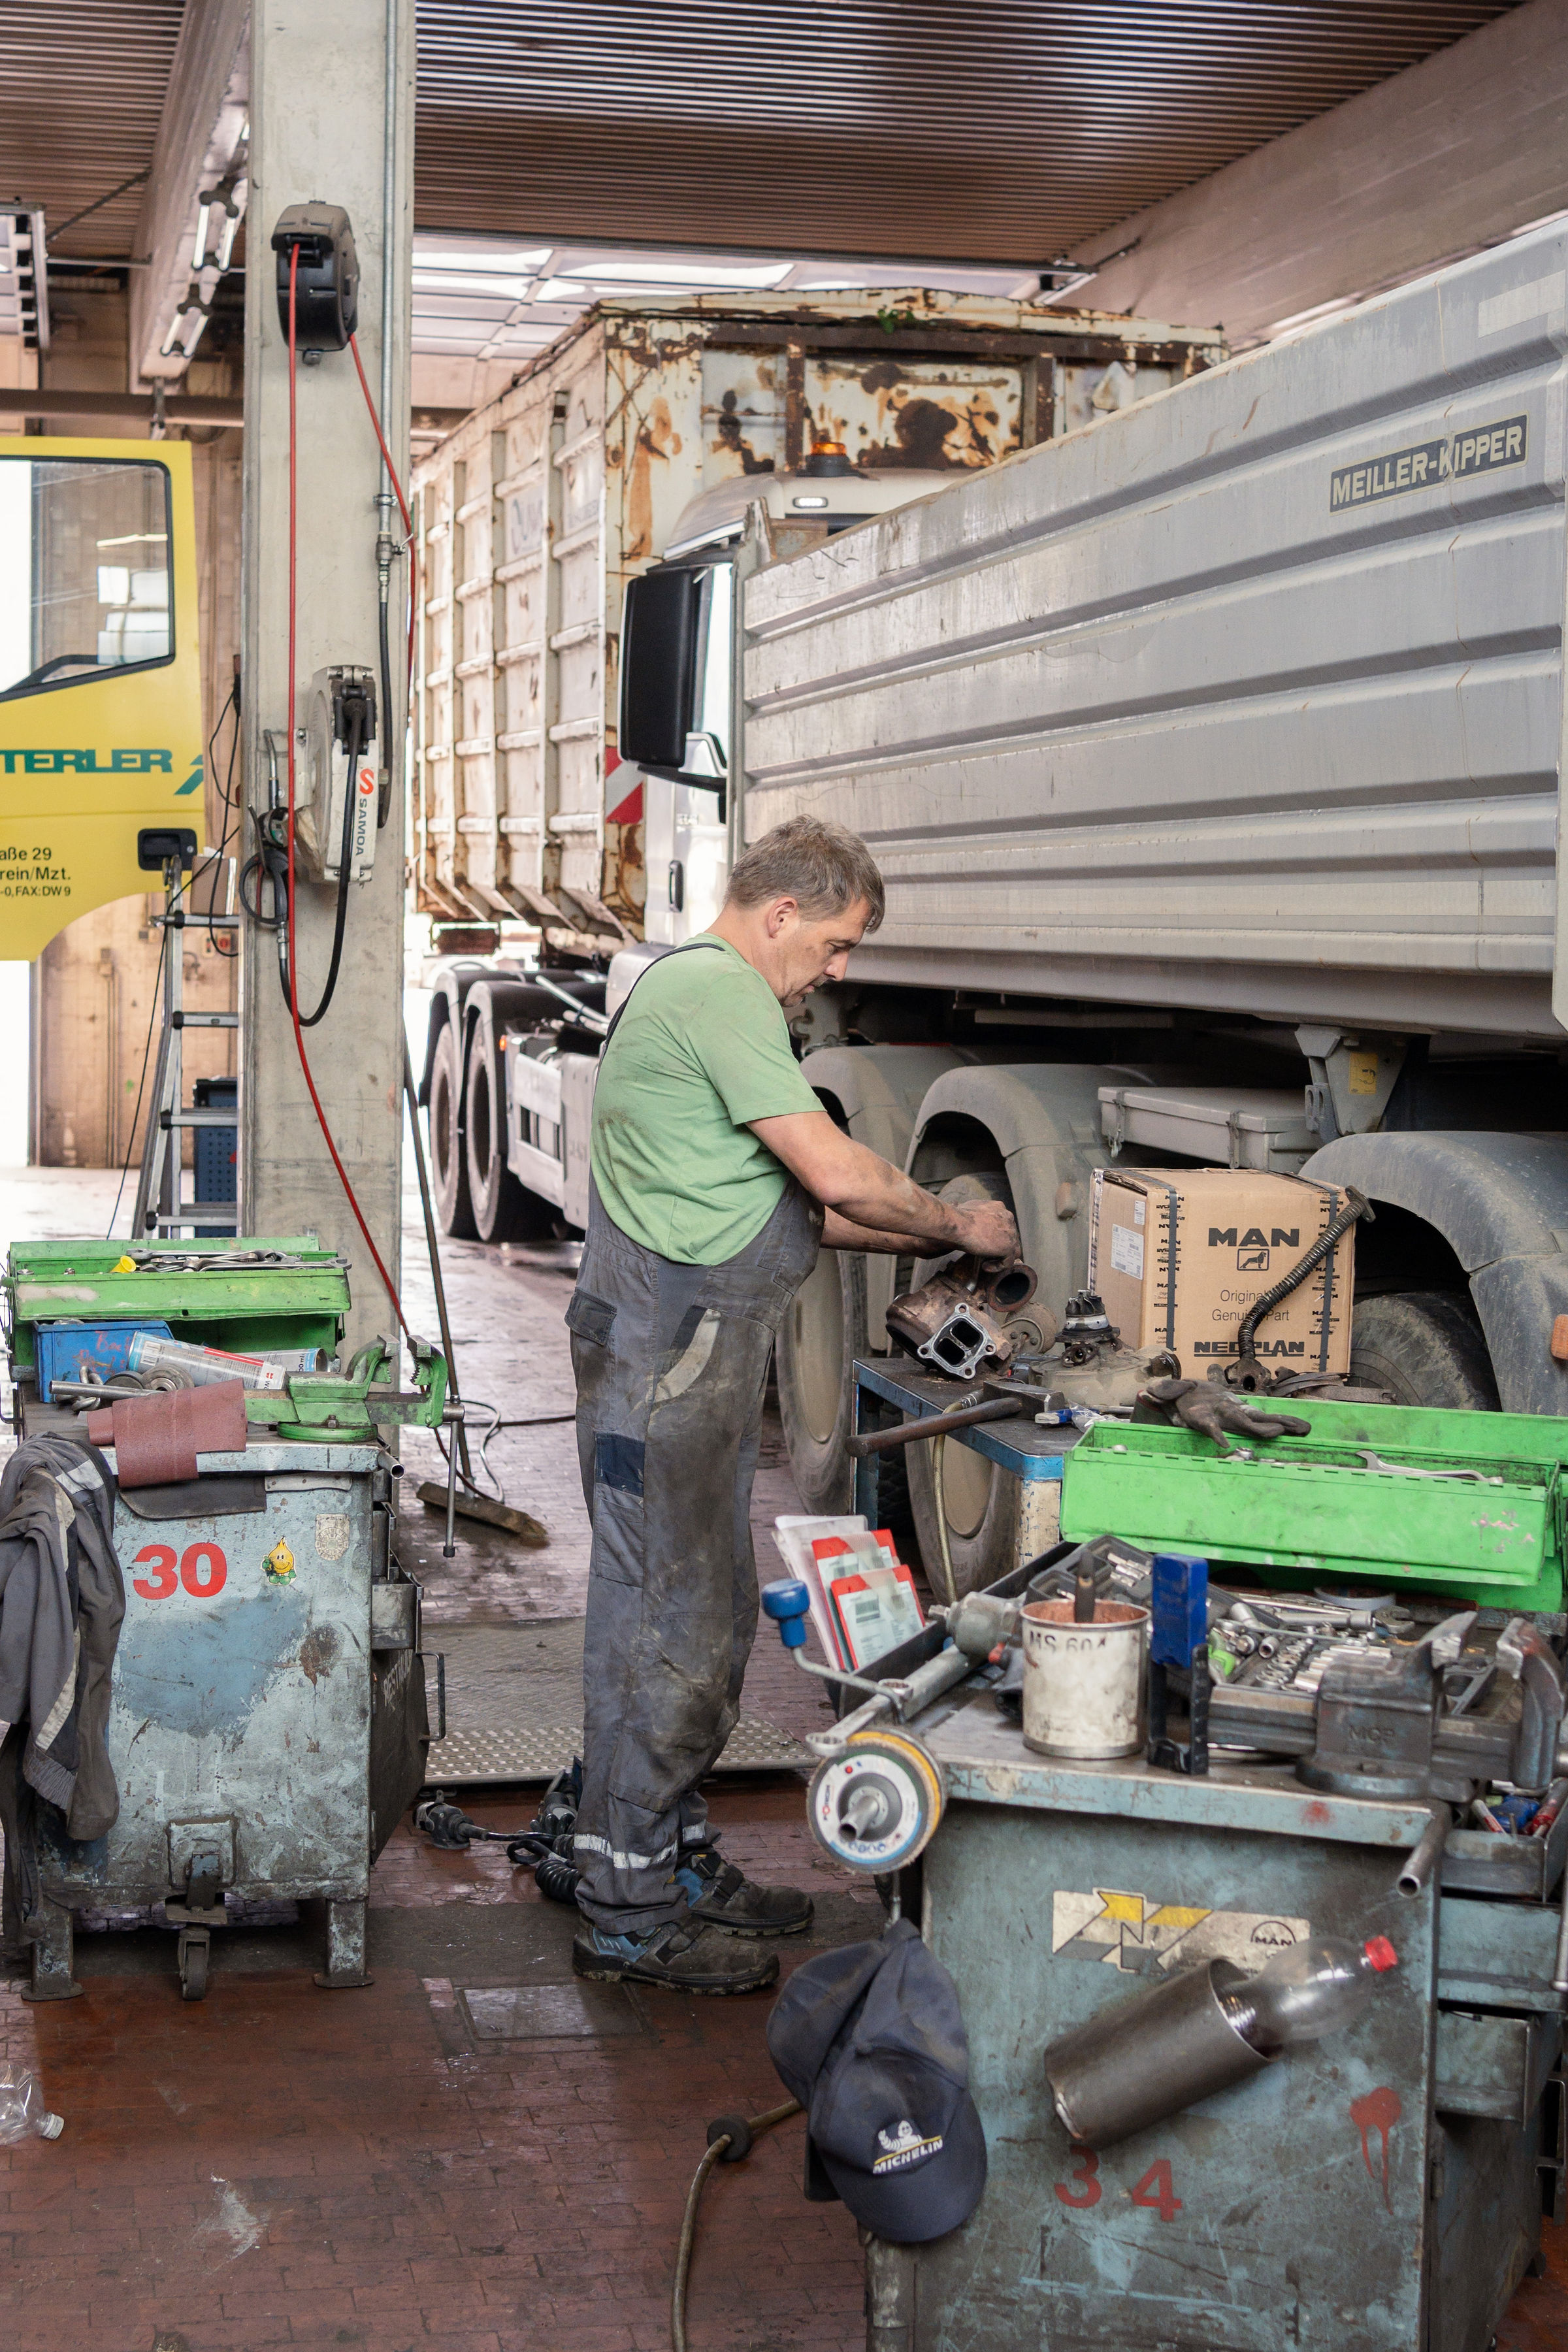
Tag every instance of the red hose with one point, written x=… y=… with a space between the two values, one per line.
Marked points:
x=293 y=977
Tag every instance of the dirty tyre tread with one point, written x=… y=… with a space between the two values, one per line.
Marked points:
x=1427 y=1347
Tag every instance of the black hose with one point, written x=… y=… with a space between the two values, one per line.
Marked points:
x=1356 y=1206
x=345 y=863
x=384 y=797
x=728 y=2140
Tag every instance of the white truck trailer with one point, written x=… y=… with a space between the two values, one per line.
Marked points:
x=655 y=420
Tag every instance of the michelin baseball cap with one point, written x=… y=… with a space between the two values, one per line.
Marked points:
x=871 y=2039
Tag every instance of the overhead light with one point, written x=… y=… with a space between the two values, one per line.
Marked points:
x=24 y=277
x=226 y=199
x=185 y=327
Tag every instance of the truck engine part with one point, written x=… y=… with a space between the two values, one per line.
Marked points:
x=959 y=1318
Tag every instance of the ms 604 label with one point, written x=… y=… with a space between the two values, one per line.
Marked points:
x=1480 y=451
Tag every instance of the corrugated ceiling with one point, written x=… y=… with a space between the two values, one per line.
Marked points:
x=935 y=127
x=81 y=91
x=932 y=127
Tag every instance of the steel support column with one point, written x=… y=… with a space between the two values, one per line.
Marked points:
x=331 y=95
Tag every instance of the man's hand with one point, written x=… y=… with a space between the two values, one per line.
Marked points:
x=869 y=1192
x=991 y=1232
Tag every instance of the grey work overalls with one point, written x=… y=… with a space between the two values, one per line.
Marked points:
x=672 y=1366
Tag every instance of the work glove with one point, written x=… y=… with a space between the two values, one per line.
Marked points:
x=1200 y=1405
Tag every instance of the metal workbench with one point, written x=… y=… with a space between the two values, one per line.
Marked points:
x=1380 y=2192
x=1031 y=1455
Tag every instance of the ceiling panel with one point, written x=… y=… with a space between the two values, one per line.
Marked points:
x=951 y=127
x=81 y=91
x=940 y=129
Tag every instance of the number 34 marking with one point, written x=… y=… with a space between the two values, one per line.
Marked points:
x=1155 y=2191
x=202 y=1572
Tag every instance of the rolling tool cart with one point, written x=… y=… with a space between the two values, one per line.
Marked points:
x=267 y=1718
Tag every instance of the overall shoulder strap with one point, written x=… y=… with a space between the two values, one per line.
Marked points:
x=681 y=949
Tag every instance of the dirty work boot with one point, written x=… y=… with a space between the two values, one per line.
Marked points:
x=722 y=1896
x=682 y=1955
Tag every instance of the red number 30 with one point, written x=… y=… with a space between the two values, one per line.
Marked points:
x=204 y=1571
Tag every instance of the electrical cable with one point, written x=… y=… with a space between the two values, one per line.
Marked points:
x=211 y=923
x=729 y=2140
x=387 y=1283
x=345 y=863
x=146 y=1053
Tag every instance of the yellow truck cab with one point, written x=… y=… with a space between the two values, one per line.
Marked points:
x=100 y=728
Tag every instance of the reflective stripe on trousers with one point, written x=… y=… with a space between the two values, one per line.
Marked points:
x=671 y=1367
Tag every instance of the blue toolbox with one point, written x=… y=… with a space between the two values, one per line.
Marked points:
x=74 y=1351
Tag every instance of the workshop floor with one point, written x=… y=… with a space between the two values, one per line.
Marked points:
x=475 y=2154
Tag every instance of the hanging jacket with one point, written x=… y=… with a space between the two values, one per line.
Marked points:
x=62 y=1599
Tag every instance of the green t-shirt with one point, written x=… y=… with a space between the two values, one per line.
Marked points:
x=701 y=1048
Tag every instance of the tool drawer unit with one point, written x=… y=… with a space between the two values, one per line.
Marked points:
x=1380 y=2192
x=267 y=1718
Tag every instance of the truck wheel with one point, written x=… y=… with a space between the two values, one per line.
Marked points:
x=980 y=1505
x=822 y=1333
x=448 y=1163
x=503 y=1210
x=1427 y=1348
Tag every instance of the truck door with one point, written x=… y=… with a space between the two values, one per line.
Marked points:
x=101 y=731
x=678 y=664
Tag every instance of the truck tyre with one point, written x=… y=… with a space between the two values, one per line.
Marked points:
x=449 y=1161
x=979 y=1504
x=1427 y=1348
x=822 y=1331
x=503 y=1211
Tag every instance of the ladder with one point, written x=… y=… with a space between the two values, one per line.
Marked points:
x=159 y=1206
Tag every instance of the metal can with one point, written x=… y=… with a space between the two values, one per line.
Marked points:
x=1085 y=1684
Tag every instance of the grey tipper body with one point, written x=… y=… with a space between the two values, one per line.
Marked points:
x=1251 y=698
x=671 y=1365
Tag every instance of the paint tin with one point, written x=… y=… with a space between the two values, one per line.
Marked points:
x=1084 y=1684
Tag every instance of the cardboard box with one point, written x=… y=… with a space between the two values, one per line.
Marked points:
x=1180 y=1255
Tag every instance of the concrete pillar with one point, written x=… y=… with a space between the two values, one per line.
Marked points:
x=320 y=125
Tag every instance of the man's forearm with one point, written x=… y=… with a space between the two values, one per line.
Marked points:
x=843 y=1233
x=864 y=1190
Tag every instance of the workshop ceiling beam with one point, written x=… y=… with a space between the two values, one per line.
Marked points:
x=201 y=148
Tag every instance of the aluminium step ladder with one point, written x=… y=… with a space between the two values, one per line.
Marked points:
x=160 y=1207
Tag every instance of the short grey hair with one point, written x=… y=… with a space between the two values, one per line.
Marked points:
x=823 y=867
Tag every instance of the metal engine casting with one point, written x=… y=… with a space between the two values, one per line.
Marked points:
x=959 y=1319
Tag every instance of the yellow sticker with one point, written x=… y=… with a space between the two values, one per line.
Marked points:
x=279 y=1563
x=1363 y=1074
x=123 y=1266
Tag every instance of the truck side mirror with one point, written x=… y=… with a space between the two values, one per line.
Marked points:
x=658 y=641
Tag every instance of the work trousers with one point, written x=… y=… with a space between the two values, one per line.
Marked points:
x=671 y=1366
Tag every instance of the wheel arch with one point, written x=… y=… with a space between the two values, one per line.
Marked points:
x=1499 y=1204
x=1043 y=1121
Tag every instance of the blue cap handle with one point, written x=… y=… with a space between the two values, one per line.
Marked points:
x=787 y=1602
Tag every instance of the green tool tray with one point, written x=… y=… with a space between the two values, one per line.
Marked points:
x=241 y=1307
x=1303 y=1510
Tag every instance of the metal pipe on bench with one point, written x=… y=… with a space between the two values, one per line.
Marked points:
x=883 y=1440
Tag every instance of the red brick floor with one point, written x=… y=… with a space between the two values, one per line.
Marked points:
x=280 y=2166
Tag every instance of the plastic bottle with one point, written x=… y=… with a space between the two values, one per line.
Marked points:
x=1316 y=1986
x=148 y=1353
x=23 y=2115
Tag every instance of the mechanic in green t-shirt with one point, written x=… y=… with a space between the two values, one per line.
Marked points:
x=716 y=1176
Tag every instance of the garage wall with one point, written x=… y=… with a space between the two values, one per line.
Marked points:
x=1453 y=154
